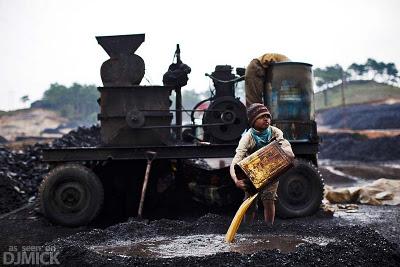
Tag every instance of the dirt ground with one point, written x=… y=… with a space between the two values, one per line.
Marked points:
x=368 y=235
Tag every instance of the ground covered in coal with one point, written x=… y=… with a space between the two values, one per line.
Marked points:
x=354 y=146
x=362 y=116
x=347 y=244
x=22 y=170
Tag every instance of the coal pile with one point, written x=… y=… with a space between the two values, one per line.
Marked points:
x=21 y=171
x=10 y=197
x=82 y=137
x=344 y=245
x=20 y=175
x=348 y=146
x=3 y=140
x=361 y=117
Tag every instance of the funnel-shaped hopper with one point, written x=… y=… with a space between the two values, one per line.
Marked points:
x=120 y=44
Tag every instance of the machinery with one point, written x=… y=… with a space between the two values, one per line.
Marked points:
x=136 y=121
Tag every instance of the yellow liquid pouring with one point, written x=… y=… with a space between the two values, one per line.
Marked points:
x=237 y=220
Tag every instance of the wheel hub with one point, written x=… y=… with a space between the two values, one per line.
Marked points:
x=70 y=196
x=297 y=189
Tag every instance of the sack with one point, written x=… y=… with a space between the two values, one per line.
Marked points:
x=177 y=75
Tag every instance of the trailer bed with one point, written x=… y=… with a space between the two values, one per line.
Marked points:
x=182 y=151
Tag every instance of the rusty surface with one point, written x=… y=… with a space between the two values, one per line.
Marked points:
x=265 y=165
x=124 y=68
x=122 y=117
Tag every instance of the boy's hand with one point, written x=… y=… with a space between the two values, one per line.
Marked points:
x=241 y=184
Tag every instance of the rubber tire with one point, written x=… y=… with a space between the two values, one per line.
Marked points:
x=300 y=190
x=69 y=177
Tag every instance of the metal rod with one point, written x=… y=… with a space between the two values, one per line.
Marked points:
x=238 y=79
x=178 y=114
x=185 y=126
x=150 y=155
x=196 y=110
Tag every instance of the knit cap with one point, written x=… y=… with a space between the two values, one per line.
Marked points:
x=255 y=111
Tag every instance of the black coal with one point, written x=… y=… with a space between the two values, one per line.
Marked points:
x=349 y=245
x=362 y=116
x=21 y=171
x=347 y=146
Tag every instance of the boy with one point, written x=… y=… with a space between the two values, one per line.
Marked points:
x=260 y=133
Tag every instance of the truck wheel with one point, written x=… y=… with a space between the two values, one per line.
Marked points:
x=71 y=195
x=300 y=190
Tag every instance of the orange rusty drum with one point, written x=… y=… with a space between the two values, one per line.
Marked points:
x=264 y=166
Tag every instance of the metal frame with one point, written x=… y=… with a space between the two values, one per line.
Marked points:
x=163 y=152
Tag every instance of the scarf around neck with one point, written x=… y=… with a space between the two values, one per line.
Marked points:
x=261 y=138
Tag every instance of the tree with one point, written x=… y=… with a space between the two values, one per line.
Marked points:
x=372 y=69
x=24 y=99
x=391 y=72
x=375 y=67
x=357 y=69
x=329 y=76
x=78 y=102
x=386 y=72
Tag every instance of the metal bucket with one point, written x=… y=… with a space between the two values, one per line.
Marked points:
x=290 y=94
x=264 y=166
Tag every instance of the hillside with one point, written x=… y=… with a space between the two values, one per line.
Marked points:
x=355 y=93
x=29 y=122
x=379 y=115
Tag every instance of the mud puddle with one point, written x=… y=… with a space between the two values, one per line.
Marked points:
x=204 y=245
x=310 y=241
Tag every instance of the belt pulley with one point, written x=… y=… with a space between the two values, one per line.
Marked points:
x=229 y=115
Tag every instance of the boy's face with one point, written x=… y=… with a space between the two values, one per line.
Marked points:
x=262 y=122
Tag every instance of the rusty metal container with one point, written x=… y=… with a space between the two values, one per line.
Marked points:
x=290 y=91
x=290 y=98
x=264 y=166
x=135 y=115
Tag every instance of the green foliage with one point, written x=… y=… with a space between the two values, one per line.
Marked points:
x=24 y=98
x=375 y=67
x=380 y=71
x=359 y=69
x=329 y=75
x=78 y=102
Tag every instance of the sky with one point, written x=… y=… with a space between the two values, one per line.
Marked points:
x=53 y=41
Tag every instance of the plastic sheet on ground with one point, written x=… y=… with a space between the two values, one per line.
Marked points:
x=380 y=192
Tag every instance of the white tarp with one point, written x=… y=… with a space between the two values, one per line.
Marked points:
x=380 y=192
